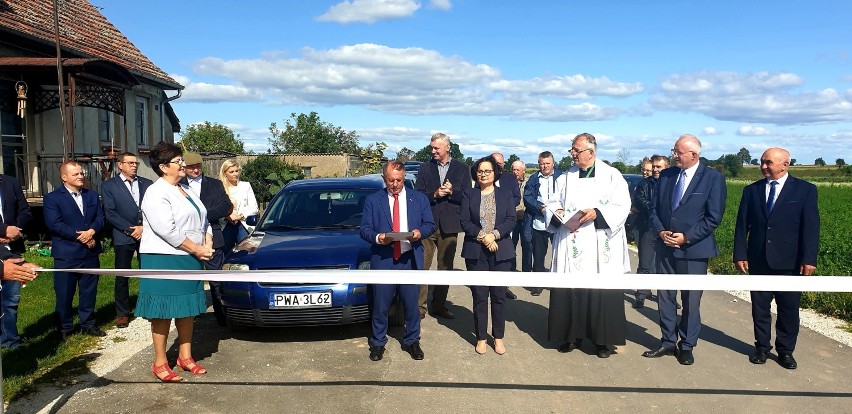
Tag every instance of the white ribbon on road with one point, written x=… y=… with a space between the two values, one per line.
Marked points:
x=487 y=278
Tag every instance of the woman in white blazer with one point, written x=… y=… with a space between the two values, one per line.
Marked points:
x=245 y=204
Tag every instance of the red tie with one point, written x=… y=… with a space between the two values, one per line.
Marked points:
x=397 y=247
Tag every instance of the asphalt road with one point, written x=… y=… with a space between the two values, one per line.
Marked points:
x=327 y=370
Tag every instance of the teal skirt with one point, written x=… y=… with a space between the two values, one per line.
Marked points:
x=169 y=298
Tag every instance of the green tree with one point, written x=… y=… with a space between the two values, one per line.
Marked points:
x=840 y=162
x=512 y=158
x=792 y=161
x=307 y=134
x=819 y=162
x=425 y=153
x=744 y=155
x=209 y=137
x=268 y=174
x=565 y=163
x=755 y=161
x=731 y=162
x=404 y=154
x=618 y=165
x=371 y=158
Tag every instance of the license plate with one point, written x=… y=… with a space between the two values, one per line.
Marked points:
x=300 y=300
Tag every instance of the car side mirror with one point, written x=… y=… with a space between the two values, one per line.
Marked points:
x=252 y=220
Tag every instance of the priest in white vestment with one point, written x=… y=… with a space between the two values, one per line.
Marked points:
x=587 y=216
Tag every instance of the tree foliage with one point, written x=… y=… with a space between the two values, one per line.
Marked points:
x=792 y=162
x=733 y=163
x=565 y=163
x=308 y=134
x=819 y=162
x=620 y=166
x=840 y=162
x=745 y=156
x=404 y=154
x=209 y=137
x=371 y=158
x=268 y=174
x=512 y=158
x=425 y=153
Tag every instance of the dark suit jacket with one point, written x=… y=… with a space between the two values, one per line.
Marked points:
x=508 y=180
x=784 y=239
x=377 y=218
x=64 y=220
x=642 y=199
x=697 y=215
x=504 y=222
x=120 y=209
x=218 y=206
x=531 y=203
x=445 y=210
x=16 y=210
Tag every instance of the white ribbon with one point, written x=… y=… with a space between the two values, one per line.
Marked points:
x=555 y=280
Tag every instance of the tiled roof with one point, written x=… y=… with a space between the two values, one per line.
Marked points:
x=83 y=29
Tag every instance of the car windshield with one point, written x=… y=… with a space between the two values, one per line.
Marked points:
x=316 y=208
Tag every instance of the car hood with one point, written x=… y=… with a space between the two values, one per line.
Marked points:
x=310 y=248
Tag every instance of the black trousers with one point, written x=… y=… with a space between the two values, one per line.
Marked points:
x=526 y=247
x=123 y=259
x=645 y=239
x=215 y=263
x=487 y=261
x=540 y=239
x=787 y=321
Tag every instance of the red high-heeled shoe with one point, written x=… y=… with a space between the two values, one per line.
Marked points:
x=170 y=376
x=196 y=369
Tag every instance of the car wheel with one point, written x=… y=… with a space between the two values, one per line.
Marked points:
x=396 y=315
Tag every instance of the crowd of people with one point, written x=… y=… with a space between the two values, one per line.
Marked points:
x=188 y=220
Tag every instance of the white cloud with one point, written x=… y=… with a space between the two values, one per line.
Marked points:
x=208 y=92
x=710 y=131
x=441 y=4
x=415 y=81
x=370 y=11
x=754 y=97
x=752 y=131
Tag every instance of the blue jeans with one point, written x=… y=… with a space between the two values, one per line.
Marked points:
x=11 y=295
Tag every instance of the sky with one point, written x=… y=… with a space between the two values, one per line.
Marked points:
x=514 y=77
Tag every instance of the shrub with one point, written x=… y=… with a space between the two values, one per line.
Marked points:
x=267 y=174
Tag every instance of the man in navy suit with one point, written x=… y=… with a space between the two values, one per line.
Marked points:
x=75 y=217
x=15 y=215
x=442 y=180
x=212 y=193
x=687 y=206
x=396 y=210
x=539 y=189
x=122 y=198
x=777 y=233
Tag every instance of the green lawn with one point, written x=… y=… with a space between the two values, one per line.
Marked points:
x=41 y=356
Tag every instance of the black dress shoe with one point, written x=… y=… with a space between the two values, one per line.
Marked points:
x=603 y=351
x=787 y=361
x=414 y=350
x=685 y=357
x=510 y=294
x=443 y=313
x=759 y=356
x=568 y=346
x=95 y=331
x=659 y=352
x=376 y=353
x=536 y=291
x=638 y=303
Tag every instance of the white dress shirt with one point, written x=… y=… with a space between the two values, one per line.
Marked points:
x=169 y=219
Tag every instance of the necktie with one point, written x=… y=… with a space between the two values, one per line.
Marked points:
x=770 y=202
x=397 y=247
x=132 y=193
x=677 y=194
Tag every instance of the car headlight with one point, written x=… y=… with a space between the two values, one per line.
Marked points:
x=364 y=265
x=235 y=266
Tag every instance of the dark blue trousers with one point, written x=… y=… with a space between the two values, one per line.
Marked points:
x=65 y=285
x=383 y=297
x=526 y=247
x=123 y=259
x=690 y=322
x=787 y=321
x=11 y=295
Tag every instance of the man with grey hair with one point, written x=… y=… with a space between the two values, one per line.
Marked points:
x=442 y=180
x=687 y=206
x=539 y=189
x=523 y=227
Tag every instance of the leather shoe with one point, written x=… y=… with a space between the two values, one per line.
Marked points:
x=443 y=313
x=536 y=291
x=603 y=351
x=422 y=313
x=685 y=357
x=759 y=356
x=95 y=331
x=122 y=321
x=659 y=352
x=376 y=353
x=414 y=350
x=638 y=303
x=510 y=294
x=787 y=361
x=568 y=347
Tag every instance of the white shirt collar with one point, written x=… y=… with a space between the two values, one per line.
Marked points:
x=781 y=180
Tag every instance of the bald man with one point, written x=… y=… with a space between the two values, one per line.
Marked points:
x=777 y=233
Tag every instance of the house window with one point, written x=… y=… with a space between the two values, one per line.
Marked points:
x=306 y=171
x=104 y=125
x=141 y=122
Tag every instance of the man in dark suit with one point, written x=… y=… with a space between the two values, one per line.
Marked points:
x=212 y=193
x=442 y=180
x=75 y=217
x=523 y=227
x=396 y=210
x=508 y=180
x=777 y=233
x=688 y=205
x=122 y=198
x=14 y=215
x=645 y=235
x=539 y=189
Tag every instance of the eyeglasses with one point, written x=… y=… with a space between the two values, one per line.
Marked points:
x=130 y=162
x=179 y=161
x=484 y=172
x=680 y=154
x=576 y=151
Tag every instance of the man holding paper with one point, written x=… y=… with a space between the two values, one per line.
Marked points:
x=587 y=218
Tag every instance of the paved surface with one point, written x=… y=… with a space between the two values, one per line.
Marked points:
x=327 y=370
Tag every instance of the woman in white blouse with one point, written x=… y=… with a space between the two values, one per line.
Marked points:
x=175 y=236
x=245 y=204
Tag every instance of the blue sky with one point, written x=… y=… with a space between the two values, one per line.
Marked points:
x=515 y=77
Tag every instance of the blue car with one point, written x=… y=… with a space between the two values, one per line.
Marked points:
x=309 y=224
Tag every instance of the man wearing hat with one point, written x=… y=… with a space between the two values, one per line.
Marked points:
x=218 y=204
